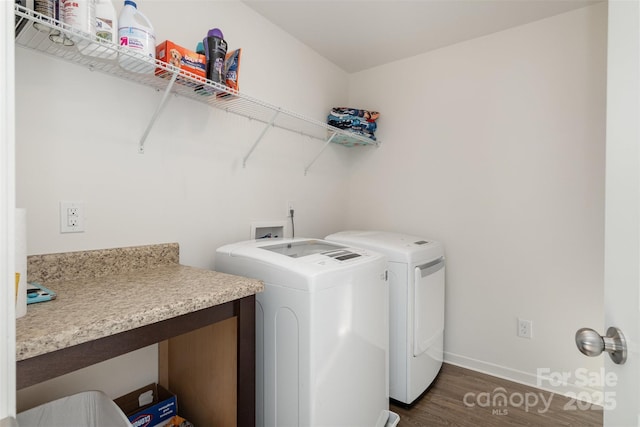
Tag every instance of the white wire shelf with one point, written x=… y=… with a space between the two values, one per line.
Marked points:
x=54 y=38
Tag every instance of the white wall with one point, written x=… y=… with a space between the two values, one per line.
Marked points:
x=77 y=139
x=495 y=146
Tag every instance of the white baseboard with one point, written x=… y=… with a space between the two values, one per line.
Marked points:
x=531 y=379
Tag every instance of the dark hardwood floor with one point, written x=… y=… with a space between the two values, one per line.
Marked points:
x=464 y=398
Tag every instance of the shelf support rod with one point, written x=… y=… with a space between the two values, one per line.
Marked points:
x=163 y=101
x=326 y=144
x=255 y=144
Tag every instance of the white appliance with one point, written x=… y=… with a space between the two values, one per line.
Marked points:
x=322 y=331
x=416 y=295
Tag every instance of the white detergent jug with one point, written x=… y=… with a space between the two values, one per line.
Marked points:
x=106 y=32
x=80 y=15
x=136 y=35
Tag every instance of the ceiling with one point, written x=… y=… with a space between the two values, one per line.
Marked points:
x=360 y=34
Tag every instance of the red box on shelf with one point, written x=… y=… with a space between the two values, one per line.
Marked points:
x=185 y=59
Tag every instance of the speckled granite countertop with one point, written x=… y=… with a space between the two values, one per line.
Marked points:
x=101 y=293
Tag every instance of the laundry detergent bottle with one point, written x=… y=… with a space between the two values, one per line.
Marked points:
x=215 y=50
x=136 y=36
x=80 y=15
x=106 y=32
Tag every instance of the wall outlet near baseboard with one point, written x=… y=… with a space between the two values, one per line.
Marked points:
x=525 y=328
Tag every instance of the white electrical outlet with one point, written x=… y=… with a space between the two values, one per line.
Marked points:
x=291 y=205
x=71 y=217
x=525 y=328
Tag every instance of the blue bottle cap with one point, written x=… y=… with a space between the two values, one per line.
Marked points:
x=130 y=3
x=200 y=48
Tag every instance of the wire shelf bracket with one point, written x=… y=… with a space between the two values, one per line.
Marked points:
x=262 y=134
x=324 y=147
x=163 y=101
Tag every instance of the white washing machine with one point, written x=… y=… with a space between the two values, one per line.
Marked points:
x=416 y=295
x=322 y=331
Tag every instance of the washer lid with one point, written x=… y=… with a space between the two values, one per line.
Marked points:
x=299 y=263
x=303 y=248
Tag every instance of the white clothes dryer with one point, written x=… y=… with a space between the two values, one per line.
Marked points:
x=416 y=295
x=322 y=331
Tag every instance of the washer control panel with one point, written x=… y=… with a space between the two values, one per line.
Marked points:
x=341 y=255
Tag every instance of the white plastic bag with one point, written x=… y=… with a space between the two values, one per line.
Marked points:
x=86 y=409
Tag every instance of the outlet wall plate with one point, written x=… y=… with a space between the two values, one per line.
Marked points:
x=291 y=205
x=525 y=328
x=71 y=217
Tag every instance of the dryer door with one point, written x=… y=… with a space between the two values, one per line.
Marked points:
x=428 y=306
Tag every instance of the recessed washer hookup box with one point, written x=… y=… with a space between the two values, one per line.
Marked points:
x=149 y=406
